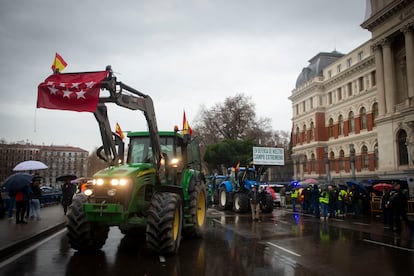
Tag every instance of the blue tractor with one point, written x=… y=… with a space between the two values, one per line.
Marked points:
x=232 y=193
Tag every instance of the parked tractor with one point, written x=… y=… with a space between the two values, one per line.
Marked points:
x=233 y=192
x=159 y=192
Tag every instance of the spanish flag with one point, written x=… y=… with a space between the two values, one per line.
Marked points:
x=119 y=131
x=58 y=63
x=186 y=126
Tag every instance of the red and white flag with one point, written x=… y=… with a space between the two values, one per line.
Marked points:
x=71 y=91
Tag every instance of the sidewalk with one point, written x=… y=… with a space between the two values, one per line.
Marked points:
x=15 y=236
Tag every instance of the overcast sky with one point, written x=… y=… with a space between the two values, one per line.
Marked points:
x=184 y=54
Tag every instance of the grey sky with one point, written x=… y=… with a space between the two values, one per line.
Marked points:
x=184 y=54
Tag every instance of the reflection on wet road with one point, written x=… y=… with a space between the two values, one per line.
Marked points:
x=282 y=244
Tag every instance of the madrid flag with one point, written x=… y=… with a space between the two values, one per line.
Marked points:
x=71 y=91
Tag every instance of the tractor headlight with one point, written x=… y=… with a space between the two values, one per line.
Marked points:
x=119 y=182
x=98 y=181
x=174 y=162
x=88 y=192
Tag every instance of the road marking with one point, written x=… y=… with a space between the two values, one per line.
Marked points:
x=216 y=220
x=388 y=245
x=27 y=250
x=284 y=249
x=360 y=223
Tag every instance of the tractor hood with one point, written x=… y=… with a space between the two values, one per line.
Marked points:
x=124 y=170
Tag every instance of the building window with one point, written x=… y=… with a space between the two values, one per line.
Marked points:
x=311 y=132
x=312 y=163
x=360 y=55
x=373 y=77
x=305 y=136
x=339 y=68
x=303 y=106
x=297 y=109
x=351 y=121
x=361 y=83
x=311 y=102
x=349 y=62
x=339 y=93
x=305 y=163
x=402 y=147
x=376 y=156
x=374 y=113
x=363 y=118
x=331 y=128
x=297 y=135
x=341 y=160
x=332 y=161
x=364 y=157
x=330 y=74
x=349 y=87
x=340 y=125
x=330 y=98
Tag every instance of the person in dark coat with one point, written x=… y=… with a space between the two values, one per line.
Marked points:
x=254 y=198
x=315 y=201
x=68 y=190
x=22 y=201
x=35 y=198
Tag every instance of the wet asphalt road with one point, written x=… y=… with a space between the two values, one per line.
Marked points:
x=282 y=244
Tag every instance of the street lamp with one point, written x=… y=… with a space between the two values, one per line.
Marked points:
x=352 y=159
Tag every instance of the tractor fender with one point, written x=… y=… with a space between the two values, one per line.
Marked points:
x=228 y=185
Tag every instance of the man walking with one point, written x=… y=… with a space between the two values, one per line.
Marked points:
x=254 y=198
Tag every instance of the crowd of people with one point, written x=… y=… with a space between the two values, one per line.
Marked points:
x=343 y=201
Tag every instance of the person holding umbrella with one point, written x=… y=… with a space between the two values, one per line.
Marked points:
x=18 y=187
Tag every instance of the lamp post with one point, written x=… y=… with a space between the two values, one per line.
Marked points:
x=352 y=159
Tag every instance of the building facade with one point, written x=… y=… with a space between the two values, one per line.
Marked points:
x=353 y=114
x=61 y=160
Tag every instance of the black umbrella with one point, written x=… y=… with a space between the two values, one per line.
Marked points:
x=358 y=185
x=66 y=177
x=17 y=182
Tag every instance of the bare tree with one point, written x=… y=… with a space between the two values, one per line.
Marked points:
x=235 y=119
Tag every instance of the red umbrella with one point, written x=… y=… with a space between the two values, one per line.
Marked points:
x=382 y=186
x=311 y=181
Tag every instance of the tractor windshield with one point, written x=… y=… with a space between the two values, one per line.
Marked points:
x=140 y=149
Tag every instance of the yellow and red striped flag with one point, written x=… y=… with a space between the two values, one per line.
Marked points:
x=186 y=126
x=119 y=131
x=58 y=63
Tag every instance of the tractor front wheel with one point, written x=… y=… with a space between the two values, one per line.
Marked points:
x=84 y=235
x=198 y=209
x=164 y=223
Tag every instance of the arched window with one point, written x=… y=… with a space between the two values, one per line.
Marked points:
x=374 y=113
x=313 y=162
x=305 y=135
x=351 y=121
x=305 y=163
x=376 y=156
x=402 y=147
x=341 y=125
x=331 y=128
x=363 y=118
x=364 y=157
x=297 y=135
x=311 y=133
x=341 y=160
x=331 y=161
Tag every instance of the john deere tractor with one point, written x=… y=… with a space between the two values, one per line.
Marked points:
x=159 y=192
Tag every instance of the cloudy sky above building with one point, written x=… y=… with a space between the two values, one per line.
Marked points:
x=185 y=54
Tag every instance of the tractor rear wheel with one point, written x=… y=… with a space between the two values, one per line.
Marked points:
x=164 y=223
x=267 y=206
x=198 y=209
x=84 y=235
x=241 y=203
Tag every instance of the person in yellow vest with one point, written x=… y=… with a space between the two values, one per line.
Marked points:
x=324 y=202
x=294 y=196
x=341 y=202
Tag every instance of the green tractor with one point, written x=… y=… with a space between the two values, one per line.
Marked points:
x=159 y=192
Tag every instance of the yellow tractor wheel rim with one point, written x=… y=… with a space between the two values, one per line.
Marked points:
x=201 y=209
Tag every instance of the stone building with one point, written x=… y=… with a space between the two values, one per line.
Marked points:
x=61 y=160
x=353 y=114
